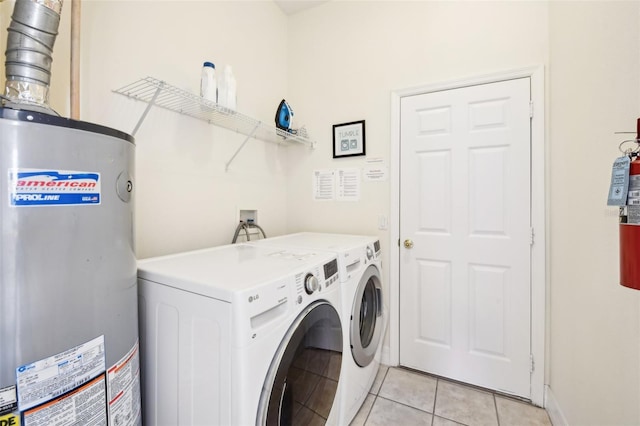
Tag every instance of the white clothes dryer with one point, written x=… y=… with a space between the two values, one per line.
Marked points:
x=364 y=307
x=240 y=335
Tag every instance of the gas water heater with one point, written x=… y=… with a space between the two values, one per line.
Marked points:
x=68 y=298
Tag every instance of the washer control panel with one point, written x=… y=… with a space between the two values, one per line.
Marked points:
x=314 y=281
x=330 y=272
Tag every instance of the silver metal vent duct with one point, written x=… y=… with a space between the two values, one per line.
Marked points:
x=32 y=33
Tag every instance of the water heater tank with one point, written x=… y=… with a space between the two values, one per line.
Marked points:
x=68 y=299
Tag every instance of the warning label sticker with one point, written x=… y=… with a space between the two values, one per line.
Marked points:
x=10 y=420
x=83 y=406
x=8 y=400
x=124 y=390
x=633 y=215
x=634 y=181
x=47 y=187
x=44 y=380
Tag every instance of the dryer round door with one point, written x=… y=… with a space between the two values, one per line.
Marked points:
x=366 y=317
x=302 y=380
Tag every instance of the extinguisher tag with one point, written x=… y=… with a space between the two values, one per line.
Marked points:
x=619 y=182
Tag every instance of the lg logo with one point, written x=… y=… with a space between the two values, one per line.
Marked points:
x=252 y=298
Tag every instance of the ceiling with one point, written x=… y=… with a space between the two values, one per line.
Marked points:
x=290 y=7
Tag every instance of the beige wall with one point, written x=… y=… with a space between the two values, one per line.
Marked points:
x=595 y=327
x=340 y=62
x=185 y=199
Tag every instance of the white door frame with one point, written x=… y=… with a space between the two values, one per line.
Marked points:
x=538 y=210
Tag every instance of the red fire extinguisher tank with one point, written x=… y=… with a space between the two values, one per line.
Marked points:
x=630 y=229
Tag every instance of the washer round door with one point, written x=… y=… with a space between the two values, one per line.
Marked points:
x=302 y=381
x=366 y=317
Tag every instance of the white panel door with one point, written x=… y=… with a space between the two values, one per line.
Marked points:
x=465 y=206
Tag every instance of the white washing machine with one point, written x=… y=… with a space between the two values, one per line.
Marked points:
x=364 y=307
x=240 y=335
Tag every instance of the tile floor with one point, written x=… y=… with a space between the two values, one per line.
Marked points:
x=405 y=398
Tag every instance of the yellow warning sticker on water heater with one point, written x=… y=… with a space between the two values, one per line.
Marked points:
x=10 y=420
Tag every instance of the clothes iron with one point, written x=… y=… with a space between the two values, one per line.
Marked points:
x=284 y=116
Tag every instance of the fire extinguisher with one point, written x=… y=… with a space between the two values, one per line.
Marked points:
x=630 y=225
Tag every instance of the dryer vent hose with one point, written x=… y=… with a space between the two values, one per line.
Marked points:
x=32 y=34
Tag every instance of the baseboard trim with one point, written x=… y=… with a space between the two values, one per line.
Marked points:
x=553 y=408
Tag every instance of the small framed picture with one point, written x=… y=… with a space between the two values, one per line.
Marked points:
x=348 y=139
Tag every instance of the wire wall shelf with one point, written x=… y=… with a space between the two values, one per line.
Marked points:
x=158 y=93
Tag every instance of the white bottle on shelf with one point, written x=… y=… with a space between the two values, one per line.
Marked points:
x=227 y=94
x=208 y=84
x=232 y=94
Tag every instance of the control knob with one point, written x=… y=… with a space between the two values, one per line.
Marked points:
x=369 y=253
x=310 y=283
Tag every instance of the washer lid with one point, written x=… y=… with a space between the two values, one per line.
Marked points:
x=220 y=272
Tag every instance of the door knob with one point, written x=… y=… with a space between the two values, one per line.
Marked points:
x=408 y=244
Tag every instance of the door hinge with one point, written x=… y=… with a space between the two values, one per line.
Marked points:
x=530 y=109
x=533 y=364
x=532 y=236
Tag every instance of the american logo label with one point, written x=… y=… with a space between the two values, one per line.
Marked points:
x=48 y=187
